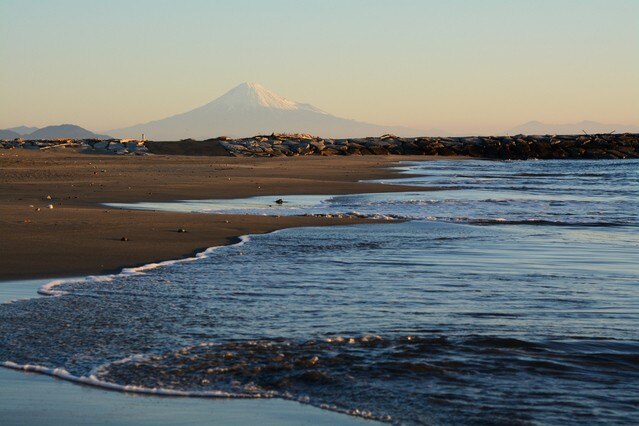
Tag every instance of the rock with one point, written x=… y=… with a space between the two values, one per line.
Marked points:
x=377 y=150
x=181 y=230
x=100 y=145
x=317 y=145
x=115 y=146
x=124 y=239
x=50 y=206
x=279 y=201
x=388 y=136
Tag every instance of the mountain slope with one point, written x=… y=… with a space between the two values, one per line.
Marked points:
x=539 y=128
x=69 y=131
x=250 y=109
x=23 y=130
x=8 y=134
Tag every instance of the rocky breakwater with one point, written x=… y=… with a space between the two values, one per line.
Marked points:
x=518 y=147
x=96 y=146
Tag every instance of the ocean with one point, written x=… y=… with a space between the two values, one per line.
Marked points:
x=511 y=296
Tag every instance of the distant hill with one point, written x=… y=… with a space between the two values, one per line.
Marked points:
x=23 y=130
x=539 y=128
x=250 y=109
x=8 y=134
x=69 y=131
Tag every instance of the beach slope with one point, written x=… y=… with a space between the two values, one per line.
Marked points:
x=53 y=224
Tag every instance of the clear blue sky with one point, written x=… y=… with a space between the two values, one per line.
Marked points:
x=457 y=65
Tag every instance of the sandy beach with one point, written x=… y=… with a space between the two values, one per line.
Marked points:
x=79 y=236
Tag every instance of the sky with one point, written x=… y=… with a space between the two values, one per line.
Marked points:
x=463 y=66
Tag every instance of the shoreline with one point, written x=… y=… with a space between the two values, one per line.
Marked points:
x=47 y=289
x=79 y=236
x=50 y=400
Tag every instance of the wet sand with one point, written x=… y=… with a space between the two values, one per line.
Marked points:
x=79 y=236
x=34 y=399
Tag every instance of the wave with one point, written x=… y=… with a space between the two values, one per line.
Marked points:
x=546 y=222
x=340 y=373
x=92 y=380
x=475 y=221
x=358 y=215
x=49 y=289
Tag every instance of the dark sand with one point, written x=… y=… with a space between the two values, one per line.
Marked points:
x=79 y=236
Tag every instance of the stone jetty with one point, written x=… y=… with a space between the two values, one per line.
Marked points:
x=113 y=146
x=517 y=147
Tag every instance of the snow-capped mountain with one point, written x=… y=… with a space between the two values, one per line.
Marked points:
x=250 y=109
x=254 y=95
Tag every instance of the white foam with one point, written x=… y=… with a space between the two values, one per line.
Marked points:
x=92 y=380
x=49 y=289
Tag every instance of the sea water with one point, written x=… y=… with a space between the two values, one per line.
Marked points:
x=509 y=297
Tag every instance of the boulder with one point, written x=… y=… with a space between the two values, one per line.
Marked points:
x=115 y=146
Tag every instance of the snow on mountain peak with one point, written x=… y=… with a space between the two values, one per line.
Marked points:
x=250 y=109
x=256 y=95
